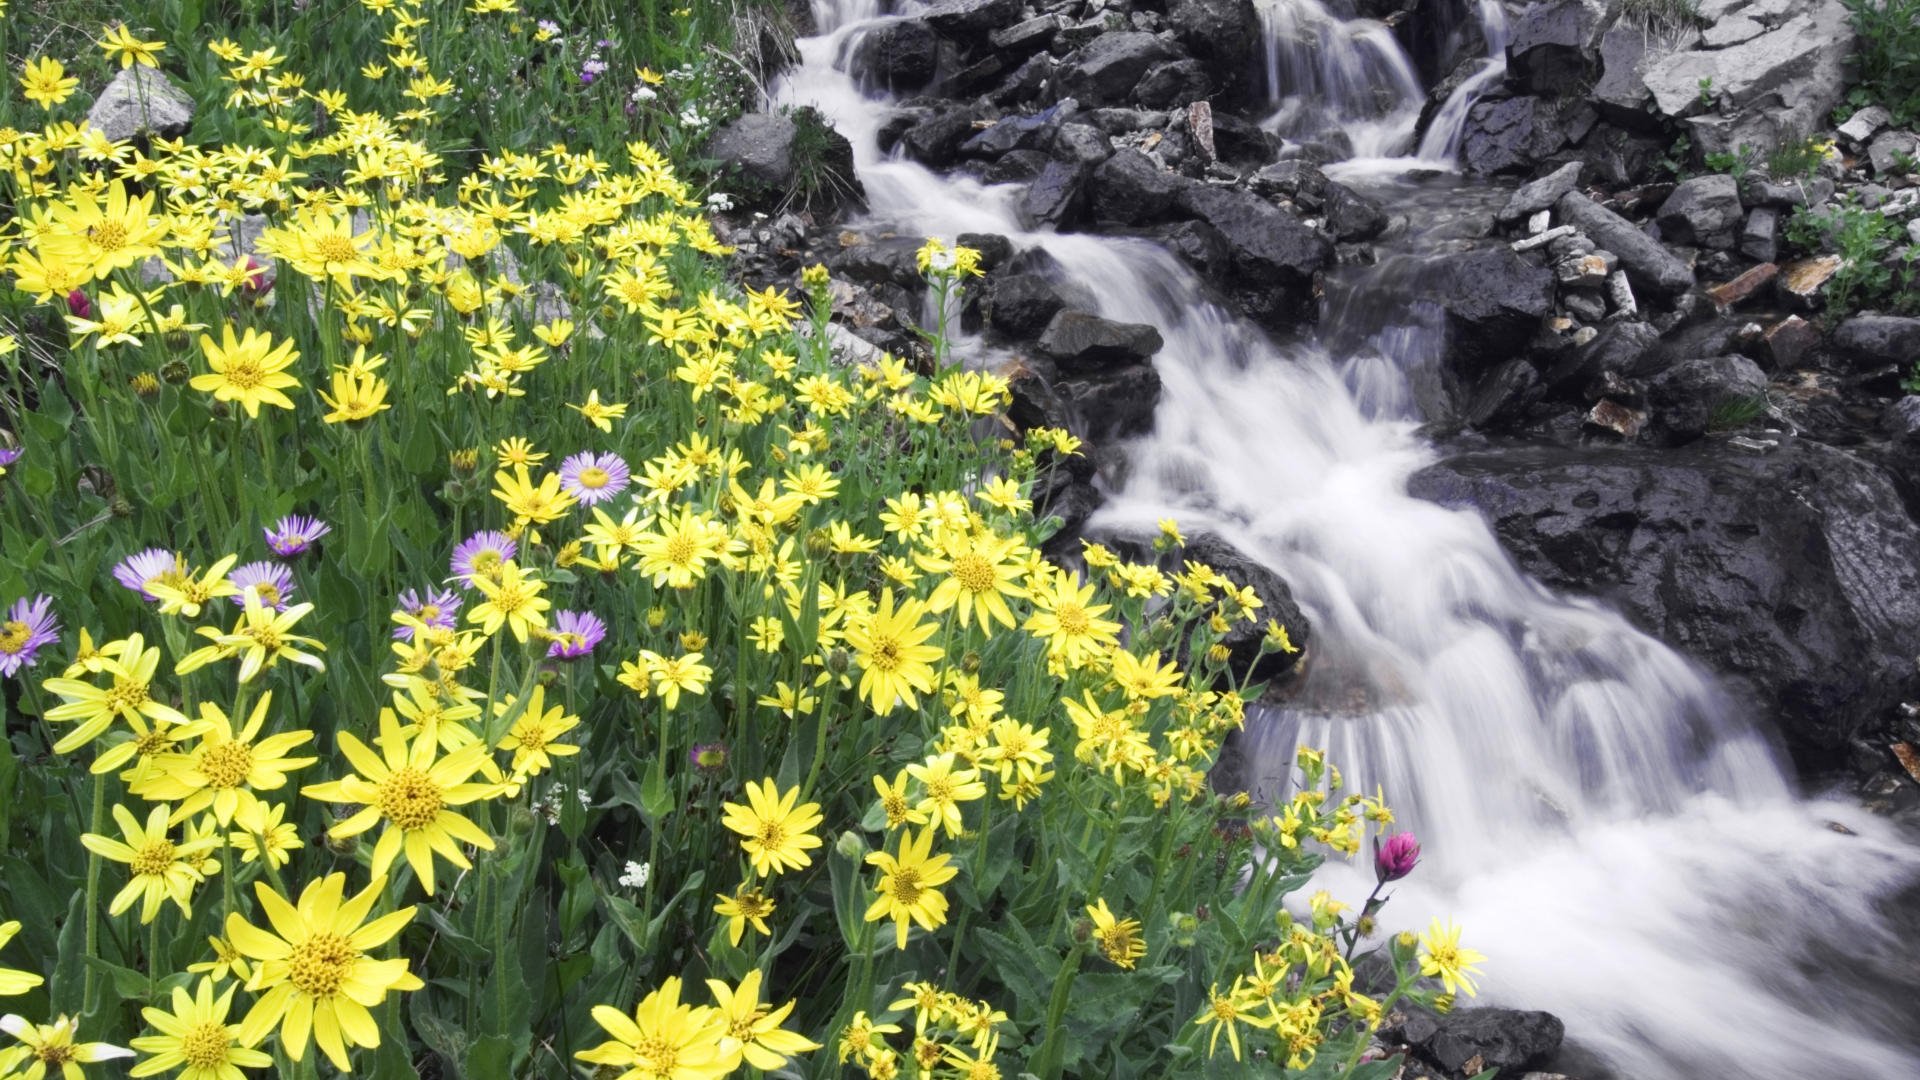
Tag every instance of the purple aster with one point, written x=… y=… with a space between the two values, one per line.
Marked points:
x=9 y=455
x=594 y=478
x=294 y=534
x=482 y=553
x=271 y=580
x=708 y=757
x=29 y=625
x=138 y=571
x=574 y=634
x=436 y=608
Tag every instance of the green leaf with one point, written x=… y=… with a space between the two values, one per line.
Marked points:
x=490 y=1058
x=656 y=802
x=849 y=895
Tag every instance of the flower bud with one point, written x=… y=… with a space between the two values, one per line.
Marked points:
x=146 y=386
x=1396 y=858
x=851 y=846
x=78 y=305
x=175 y=371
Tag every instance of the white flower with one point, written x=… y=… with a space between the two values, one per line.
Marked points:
x=643 y=92
x=719 y=200
x=586 y=799
x=636 y=875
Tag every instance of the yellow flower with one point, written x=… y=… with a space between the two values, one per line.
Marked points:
x=677 y=555
x=45 y=82
x=14 y=982
x=120 y=43
x=909 y=886
x=1119 y=939
x=160 y=869
x=415 y=793
x=250 y=370
x=46 y=1047
x=943 y=789
x=1443 y=957
x=315 y=970
x=777 y=833
x=663 y=1039
x=899 y=809
x=531 y=738
x=1067 y=619
x=226 y=963
x=598 y=414
x=890 y=648
x=978 y=577
x=532 y=503
x=223 y=771
x=196 y=1038
x=126 y=696
x=185 y=594
x=518 y=451
x=513 y=599
x=672 y=674
x=262 y=638
x=753 y=1032
x=743 y=907
x=358 y=394
x=103 y=236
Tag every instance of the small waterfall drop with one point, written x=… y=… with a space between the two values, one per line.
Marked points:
x=1627 y=852
x=1325 y=72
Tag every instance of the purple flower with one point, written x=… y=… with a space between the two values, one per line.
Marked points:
x=482 y=553
x=138 y=571
x=594 y=478
x=708 y=757
x=271 y=581
x=574 y=634
x=28 y=626
x=9 y=455
x=437 y=609
x=294 y=534
x=1396 y=858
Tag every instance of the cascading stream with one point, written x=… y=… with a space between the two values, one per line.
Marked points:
x=1628 y=854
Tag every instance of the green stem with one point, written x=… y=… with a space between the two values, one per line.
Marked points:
x=1047 y=1063
x=98 y=824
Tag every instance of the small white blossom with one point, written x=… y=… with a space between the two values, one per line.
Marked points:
x=636 y=875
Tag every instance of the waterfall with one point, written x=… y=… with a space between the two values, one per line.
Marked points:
x=1441 y=143
x=1626 y=850
x=1327 y=73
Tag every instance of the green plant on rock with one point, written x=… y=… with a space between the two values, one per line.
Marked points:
x=1737 y=163
x=1799 y=160
x=1875 y=266
x=1889 y=58
x=1731 y=414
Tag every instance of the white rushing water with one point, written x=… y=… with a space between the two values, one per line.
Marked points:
x=1629 y=855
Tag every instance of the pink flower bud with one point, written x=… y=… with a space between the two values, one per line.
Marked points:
x=1396 y=858
x=78 y=305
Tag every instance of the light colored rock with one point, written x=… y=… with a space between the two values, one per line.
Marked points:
x=1802 y=281
x=141 y=99
x=1731 y=32
x=1913 y=230
x=1866 y=123
x=1888 y=147
x=1767 y=90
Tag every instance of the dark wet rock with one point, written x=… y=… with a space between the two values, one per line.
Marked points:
x=1174 y=85
x=1901 y=420
x=1537 y=195
x=1113 y=403
x=1023 y=37
x=1689 y=395
x=1057 y=197
x=1492 y=300
x=1649 y=265
x=1794 y=574
x=1081 y=144
x=1617 y=157
x=1021 y=305
x=1757 y=190
x=1502 y=396
x=1277 y=603
x=1018 y=133
x=995 y=250
x=1872 y=340
x=1509 y=1040
x=1131 y=188
x=897 y=56
x=1225 y=34
x=758 y=151
x=970 y=17
x=935 y=141
x=1703 y=211
x=1620 y=93
x=1554 y=45
x=880 y=259
x=1760 y=236
x=1199 y=245
x=1300 y=181
x=1512 y=135
x=1621 y=350
x=1080 y=341
x=1352 y=216
x=1016 y=166
x=1241 y=142
x=141 y=100
x=1115 y=122
x=1274 y=255
x=1786 y=343
x=980 y=78
x=1108 y=68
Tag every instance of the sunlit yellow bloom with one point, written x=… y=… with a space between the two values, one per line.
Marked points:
x=1119 y=939
x=1443 y=957
x=160 y=869
x=895 y=663
x=753 y=1031
x=531 y=738
x=531 y=503
x=128 y=694
x=224 y=771
x=195 y=1038
x=909 y=886
x=46 y=1047
x=262 y=638
x=13 y=982
x=748 y=905
x=1067 y=619
x=777 y=833
x=663 y=1039
x=978 y=577
x=513 y=598
x=45 y=82
x=943 y=788
x=250 y=370
x=119 y=43
x=597 y=413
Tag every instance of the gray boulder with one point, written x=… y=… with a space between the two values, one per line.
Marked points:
x=957 y=18
x=1056 y=198
x=1875 y=340
x=1703 y=211
x=1107 y=69
x=1773 y=88
x=1021 y=305
x=1273 y=255
x=1537 y=195
x=1648 y=264
x=1130 y=188
x=1493 y=302
x=1081 y=341
x=1225 y=34
x=897 y=56
x=1351 y=216
x=1081 y=144
x=141 y=100
x=1687 y=396
x=1508 y=1040
x=1513 y=135
x=758 y=150
x=1553 y=48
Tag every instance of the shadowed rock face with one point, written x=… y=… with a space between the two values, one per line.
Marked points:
x=1795 y=574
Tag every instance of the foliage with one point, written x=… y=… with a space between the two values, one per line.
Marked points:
x=1733 y=413
x=1889 y=57
x=1800 y=160
x=446 y=613
x=1877 y=265
x=1737 y=164
x=1661 y=16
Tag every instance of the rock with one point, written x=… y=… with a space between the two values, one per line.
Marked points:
x=1901 y=421
x=1023 y=37
x=994 y=249
x=1130 y=188
x=1537 y=195
x=1274 y=255
x=1788 y=341
x=1200 y=246
x=1552 y=49
x=1865 y=123
x=1585 y=271
x=1352 y=216
x=1016 y=166
x=1056 y=197
x=1704 y=211
x=1021 y=305
x=1511 y=135
x=955 y=18
x=1620 y=350
x=935 y=141
x=1686 y=396
x=1794 y=574
x=1300 y=181
x=1502 y=396
x=1081 y=144
x=1733 y=293
x=1012 y=133
x=1913 y=230
x=1769 y=90
x=1874 y=340
x=1115 y=403
x=1277 y=603
x=1502 y=1039
x=1622 y=420
x=1887 y=147
x=1108 y=68
x=1800 y=282
x=1757 y=190
x=1225 y=34
x=1176 y=84
x=1760 y=237
x=141 y=99
x=1493 y=302
x=1621 y=93
x=1650 y=266
x=1080 y=340
x=897 y=56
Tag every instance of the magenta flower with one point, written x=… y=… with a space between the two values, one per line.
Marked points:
x=574 y=634
x=708 y=757
x=294 y=534
x=28 y=627
x=9 y=455
x=78 y=305
x=482 y=553
x=437 y=608
x=271 y=581
x=144 y=568
x=594 y=478
x=1396 y=858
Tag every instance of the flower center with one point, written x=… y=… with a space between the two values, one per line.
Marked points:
x=336 y=249
x=268 y=592
x=485 y=561
x=108 y=235
x=1073 y=619
x=905 y=886
x=510 y=598
x=320 y=964
x=429 y=612
x=13 y=636
x=885 y=655
x=594 y=477
x=205 y=1046
x=154 y=859
x=126 y=697
x=243 y=374
x=772 y=835
x=265 y=636
x=681 y=549
x=533 y=739
x=661 y=1055
x=227 y=764
x=410 y=799
x=54 y=1054
x=940 y=789
x=974 y=573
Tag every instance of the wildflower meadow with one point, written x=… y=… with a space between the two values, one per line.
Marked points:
x=448 y=629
